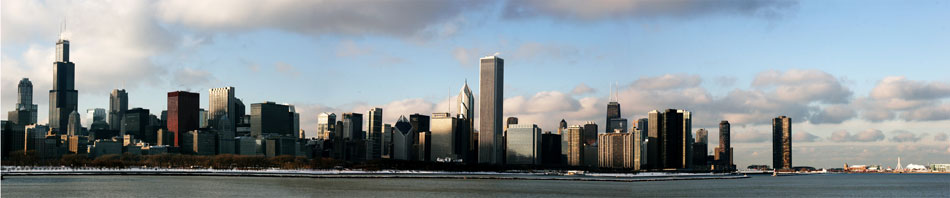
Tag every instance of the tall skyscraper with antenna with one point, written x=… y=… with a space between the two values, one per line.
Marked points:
x=614 y=120
x=63 y=98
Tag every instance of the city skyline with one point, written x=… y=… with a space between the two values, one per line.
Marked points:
x=873 y=114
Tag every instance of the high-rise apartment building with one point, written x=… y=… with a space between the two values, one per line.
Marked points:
x=782 y=143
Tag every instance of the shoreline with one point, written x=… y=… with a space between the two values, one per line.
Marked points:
x=392 y=174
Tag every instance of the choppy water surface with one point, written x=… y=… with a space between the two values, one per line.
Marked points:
x=828 y=185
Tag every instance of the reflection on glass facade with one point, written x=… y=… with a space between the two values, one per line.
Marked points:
x=523 y=144
x=782 y=142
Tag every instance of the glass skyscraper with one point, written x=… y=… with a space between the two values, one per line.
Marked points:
x=523 y=144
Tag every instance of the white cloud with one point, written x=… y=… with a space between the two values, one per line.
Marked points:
x=612 y=9
x=834 y=114
x=901 y=87
x=192 y=78
x=801 y=136
x=334 y=17
x=912 y=100
x=582 y=89
x=870 y=135
x=751 y=136
x=906 y=136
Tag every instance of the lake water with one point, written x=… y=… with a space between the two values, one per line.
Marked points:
x=826 y=185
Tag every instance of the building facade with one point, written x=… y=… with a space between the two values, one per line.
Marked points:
x=182 y=114
x=374 y=141
x=271 y=118
x=63 y=98
x=491 y=94
x=523 y=144
x=782 y=143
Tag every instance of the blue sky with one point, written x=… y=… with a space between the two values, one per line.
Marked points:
x=866 y=81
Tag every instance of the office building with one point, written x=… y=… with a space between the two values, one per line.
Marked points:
x=590 y=133
x=75 y=125
x=118 y=104
x=550 y=148
x=247 y=145
x=466 y=114
x=444 y=138
x=25 y=111
x=199 y=142
x=523 y=144
x=700 y=148
x=403 y=140
x=375 y=140
x=93 y=116
x=221 y=104
x=724 y=151
x=353 y=126
x=491 y=94
x=671 y=132
x=325 y=122
x=136 y=123
x=182 y=115
x=782 y=143
x=271 y=118
x=63 y=98
x=386 y=143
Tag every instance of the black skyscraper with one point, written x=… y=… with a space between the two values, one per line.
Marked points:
x=63 y=98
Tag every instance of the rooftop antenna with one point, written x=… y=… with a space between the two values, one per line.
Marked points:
x=617 y=86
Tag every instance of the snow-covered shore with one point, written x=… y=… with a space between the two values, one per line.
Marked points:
x=346 y=173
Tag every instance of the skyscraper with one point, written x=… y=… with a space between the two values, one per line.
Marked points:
x=616 y=150
x=403 y=139
x=271 y=118
x=670 y=139
x=491 y=94
x=375 y=132
x=550 y=148
x=724 y=151
x=136 y=123
x=387 y=142
x=590 y=133
x=421 y=130
x=118 y=104
x=575 y=145
x=353 y=126
x=523 y=144
x=640 y=145
x=182 y=114
x=63 y=98
x=782 y=143
x=466 y=113
x=94 y=115
x=25 y=112
x=700 y=148
x=325 y=122
x=466 y=108
x=75 y=126
x=221 y=103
